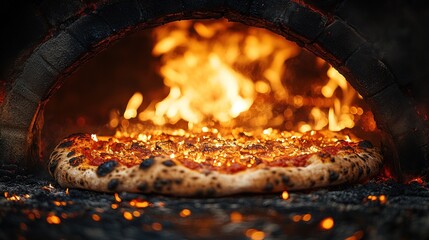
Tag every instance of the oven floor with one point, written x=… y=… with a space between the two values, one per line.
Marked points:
x=44 y=210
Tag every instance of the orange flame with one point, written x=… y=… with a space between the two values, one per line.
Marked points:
x=224 y=73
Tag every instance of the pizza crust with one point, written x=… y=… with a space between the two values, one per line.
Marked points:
x=168 y=176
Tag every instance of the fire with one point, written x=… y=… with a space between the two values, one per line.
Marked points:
x=222 y=74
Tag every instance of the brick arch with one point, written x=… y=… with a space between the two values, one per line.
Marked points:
x=325 y=35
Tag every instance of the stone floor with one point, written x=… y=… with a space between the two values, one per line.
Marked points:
x=35 y=207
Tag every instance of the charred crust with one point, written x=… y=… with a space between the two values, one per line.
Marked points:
x=211 y=192
x=159 y=183
x=147 y=163
x=360 y=171
x=268 y=187
x=66 y=144
x=178 y=181
x=169 y=163
x=106 y=168
x=143 y=186
x=333 y=176
x=76 y=161
x=365 y=144
x=52 y=166
x=332 y=159
x=70 y=153
x=285 y=179
x=312 y=183
x=113 y=184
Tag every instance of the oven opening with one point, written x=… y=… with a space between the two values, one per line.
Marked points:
x=210 y=76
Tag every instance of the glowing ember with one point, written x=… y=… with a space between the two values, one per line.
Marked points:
x=48 y=188
x=356 y=236
x=185 y=213
x=139 y=204
x=285 y=195
x=117 y=198
x=306 y=217
x=327 y=223
x=95 y=217
x=255 y=234
x=114 y=206
x=236 y=217
x=67 y=191
x=128 y=216
x=136 y=214
x=52 y=219
x=156 y=226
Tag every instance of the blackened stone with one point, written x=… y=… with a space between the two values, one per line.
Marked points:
x=240 y=6
x=38 y=76
x=106 y=168
x=61 y=51
x=271 y=10
x=192 y=5
x=147 y=163
x=156 y=9
x=89 y=30
x=305 y=21
x=121 y=15
x=113 y=184
x=57 y=11
x=372 y=76
x=340 y=40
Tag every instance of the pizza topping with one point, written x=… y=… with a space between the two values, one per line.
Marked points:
x=106 y=168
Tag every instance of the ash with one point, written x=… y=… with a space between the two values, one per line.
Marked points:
x=35 y=207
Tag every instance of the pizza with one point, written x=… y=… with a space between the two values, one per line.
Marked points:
x=208 y=163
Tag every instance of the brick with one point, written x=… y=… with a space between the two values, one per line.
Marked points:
x=58 y=12
x=203 y=5
x=369 y=74
x=340 y=40
x=121 y=15
x=305 y=22
x=13 y=145
x=19 y=107
x=156 y=9
x=412 y=155
x=393 y=112
x=37 y=76
x=61 y=51
x=271 y=10
x=240 y=6
x=89 y=30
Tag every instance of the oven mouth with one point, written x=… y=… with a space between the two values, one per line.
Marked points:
x=330 y=38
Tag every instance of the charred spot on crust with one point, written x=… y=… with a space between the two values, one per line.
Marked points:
x=106 y=168
x=142 y=186
x=52 y=166
x=365 y=144
x=113 y=184
x=360 y=171
x=178 y=181
x=285 y=179
x=147 y=163
x=168 y=163
x=333 y=176
x=76 y=161
x=211 y=192
x=66 y=144
x=159 y=183
x=70 y=154
x=332 y=159
x=268 y=187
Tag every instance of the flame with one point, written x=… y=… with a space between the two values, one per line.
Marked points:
x=217 y=72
